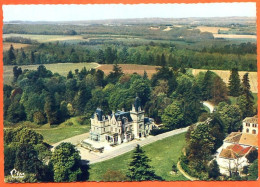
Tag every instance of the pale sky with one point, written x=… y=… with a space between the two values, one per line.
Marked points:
x=121 y=11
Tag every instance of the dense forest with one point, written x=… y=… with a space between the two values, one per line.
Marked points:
x=43 y=97
x=242 y=56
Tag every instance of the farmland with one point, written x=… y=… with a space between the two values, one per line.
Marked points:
x=213 y=30
x=225 y=76
x=60 y=68
x=45 y=38
x=130 y=69
x=6 y=45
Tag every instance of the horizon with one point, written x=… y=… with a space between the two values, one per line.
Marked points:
x=119 y=19
x=96 y=12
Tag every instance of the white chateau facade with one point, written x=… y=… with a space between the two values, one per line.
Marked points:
x=120 y=126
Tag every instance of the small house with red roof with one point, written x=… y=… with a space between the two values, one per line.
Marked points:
x=231 y=156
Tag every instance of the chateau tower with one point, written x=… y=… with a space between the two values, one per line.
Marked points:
x=137 y=115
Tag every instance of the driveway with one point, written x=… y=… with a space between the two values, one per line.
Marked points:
x=93 y=157
x=75 y=140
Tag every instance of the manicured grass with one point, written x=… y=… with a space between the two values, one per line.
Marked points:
x=162 y=153
x=54 y=134
x=63 y=131
x=61 y=68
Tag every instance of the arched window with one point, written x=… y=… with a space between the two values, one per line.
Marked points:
x=253 y=131
x=247 y=130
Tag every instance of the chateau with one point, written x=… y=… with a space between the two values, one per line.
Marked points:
x=120 y=126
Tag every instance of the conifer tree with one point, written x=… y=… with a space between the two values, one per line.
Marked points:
x=246 y=100
x=145 y=75
x=234 y=83
x=11 y=54
x=139 y=168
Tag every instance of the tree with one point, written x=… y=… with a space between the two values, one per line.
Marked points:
x=173 y=117
x=163 y=60
x=26 y=159
x=234 y=83
x=70 y=75
x=231 y=117
x=246 y=100
x=200 y=147
x=113 y=175
x=51 y=110
x=206 y=85
x=99 y=78
x=11 y=54
x=174 y=168
x=66 y=163
x=145 y=75
x=114 y=76
x=219 y=90
x=16 y=72
x=213 y=170
x=141 y=87
x=139 y=168
x=253 y=171
x=100 y=56
x=252 y=156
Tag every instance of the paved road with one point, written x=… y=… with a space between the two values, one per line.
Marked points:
x=75 y=140
x=93 y=157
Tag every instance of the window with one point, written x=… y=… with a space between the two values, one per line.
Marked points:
x=253 y=131
x=248 y=124
x=247 y=130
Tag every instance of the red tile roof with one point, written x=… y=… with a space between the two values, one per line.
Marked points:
x=234 y=151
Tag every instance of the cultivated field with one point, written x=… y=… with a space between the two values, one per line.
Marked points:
x=6 y=45
x=130 y=69
x=213 y=30
x=45 y=38
x=224 y=74
x=61 y=68
x=234 y=36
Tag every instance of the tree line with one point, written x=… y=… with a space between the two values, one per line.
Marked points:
x=150 y=54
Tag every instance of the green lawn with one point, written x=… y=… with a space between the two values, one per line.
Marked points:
x=162 y=153
x=54 y=134
x=234 y=99
x=61 y=68
x=63 y=131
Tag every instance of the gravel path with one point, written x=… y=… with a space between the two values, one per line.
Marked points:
x=209 y=105
x=184 y=173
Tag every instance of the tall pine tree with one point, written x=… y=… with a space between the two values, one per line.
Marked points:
x=139 y=168
x=246 y=100
x=234 y=83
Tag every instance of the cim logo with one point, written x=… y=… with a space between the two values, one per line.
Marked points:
x=16 y=174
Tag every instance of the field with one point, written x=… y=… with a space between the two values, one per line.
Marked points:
x=213 y=30
x=234 y=36
x=162 y=153
x=6 y=45
x=61 y=68
x=224 y=74
x=130 y=69
x=45 y=38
